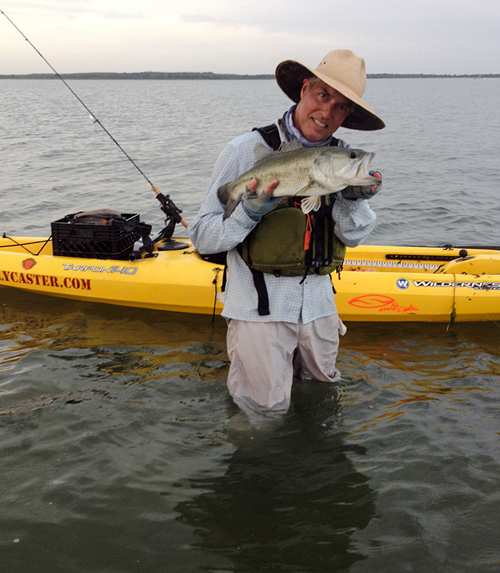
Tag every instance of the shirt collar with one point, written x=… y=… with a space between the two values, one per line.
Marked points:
x=292 y=132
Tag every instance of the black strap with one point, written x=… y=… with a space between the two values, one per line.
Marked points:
x=216 y=258
x=329 y=254
x=259 y=283
x=270 y=135
x=263 y=298
x=224 y=278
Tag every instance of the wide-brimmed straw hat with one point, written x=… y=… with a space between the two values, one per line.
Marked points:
x=341 y=70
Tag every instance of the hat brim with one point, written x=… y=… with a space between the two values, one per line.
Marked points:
x=290 y=76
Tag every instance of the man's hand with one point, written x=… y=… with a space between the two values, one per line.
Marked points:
x=256 y=206
x=376 y=188
x=363 y=192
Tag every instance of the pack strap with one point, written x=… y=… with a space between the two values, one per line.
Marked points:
x=270 y=135
x=263 y=297
x=260 y=286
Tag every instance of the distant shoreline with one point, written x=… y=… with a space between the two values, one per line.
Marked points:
x=211 y=76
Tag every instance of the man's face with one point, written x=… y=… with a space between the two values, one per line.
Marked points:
x=320 y=111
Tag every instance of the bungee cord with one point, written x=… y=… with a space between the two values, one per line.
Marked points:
x=167 y=203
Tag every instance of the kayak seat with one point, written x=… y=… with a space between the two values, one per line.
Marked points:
x=473 y=265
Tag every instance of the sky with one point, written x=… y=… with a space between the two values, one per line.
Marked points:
x=249 y=36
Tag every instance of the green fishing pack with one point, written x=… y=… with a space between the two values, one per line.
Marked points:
x=289 y=243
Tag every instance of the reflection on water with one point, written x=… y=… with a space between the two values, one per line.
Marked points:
x=121 y=451
x=394 y=369
x=290 y=499
x=130 y=345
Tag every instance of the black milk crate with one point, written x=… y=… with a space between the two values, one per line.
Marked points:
x=94 y=241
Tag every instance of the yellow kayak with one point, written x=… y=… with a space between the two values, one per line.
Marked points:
x=378 y=283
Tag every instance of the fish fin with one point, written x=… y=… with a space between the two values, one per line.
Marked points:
x=303 y=191
x=290 y=145
x=260 y=151
x=309 y=204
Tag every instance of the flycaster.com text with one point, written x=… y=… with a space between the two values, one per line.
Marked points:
x=44 y=280
x=457 y=284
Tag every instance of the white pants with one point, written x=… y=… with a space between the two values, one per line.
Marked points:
x=265 y=356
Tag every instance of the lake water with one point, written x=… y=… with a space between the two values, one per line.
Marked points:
x=120 y=450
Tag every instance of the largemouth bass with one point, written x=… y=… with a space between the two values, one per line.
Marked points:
x=305 y=172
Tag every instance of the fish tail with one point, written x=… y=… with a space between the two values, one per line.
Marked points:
x=230 y=207
x=225 y=197
x=224 y=193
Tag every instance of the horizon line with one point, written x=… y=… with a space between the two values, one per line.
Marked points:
x=213 y=75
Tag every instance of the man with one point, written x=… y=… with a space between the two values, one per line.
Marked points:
x=278 y=325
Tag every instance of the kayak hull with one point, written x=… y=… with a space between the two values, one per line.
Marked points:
x=421 y=284
x=177 y=281
x=378 y=283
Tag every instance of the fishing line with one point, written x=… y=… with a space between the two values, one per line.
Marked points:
x=94 y=118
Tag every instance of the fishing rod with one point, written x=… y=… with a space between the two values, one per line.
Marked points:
x=167 y=205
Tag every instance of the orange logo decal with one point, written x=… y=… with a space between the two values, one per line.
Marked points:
x=28 y=264
x=371 y=301
x=382 y=302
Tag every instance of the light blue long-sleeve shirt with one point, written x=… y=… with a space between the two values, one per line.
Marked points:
x=289 y=300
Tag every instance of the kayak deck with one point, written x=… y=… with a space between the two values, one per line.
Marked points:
x=378 y=283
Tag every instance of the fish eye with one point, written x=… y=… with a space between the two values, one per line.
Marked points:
x=353 y=155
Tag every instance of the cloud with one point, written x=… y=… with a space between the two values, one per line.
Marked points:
x=197 y=18
x=252 y=36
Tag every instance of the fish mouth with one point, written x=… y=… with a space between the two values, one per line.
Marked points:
x=359 y=170
x=366 y=164
x=362 y=167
